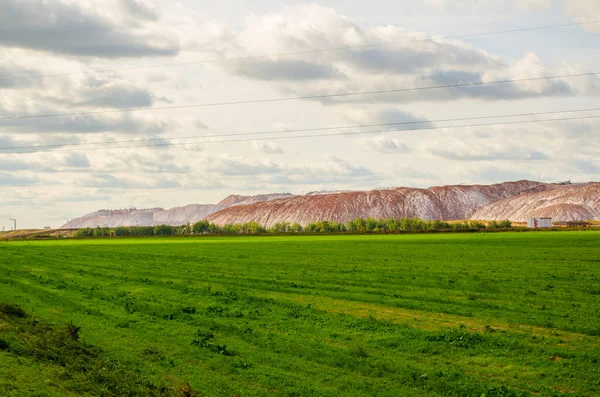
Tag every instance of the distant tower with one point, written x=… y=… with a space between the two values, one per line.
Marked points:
x=15 y=223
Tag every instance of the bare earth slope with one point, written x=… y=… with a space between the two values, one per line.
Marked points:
x=446 y=203
x=158 y=216
x=563 y=203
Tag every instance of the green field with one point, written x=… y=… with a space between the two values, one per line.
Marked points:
x=498 y=314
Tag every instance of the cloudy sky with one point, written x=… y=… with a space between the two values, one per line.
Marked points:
x=104 y=57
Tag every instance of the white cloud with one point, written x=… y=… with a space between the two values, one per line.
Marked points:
x=107 y=181
x=409 y=65
x=267 y=147
x=79 y=28
x=85 y=124
x=581 y=10
x=366 y=116
x=143 y=161
x=453 y=5
x=330 y=169
x=535 y=5
x=584 y=166
x=141 y=8
x=586 y=10
x=77 y=160
x=386 y=145
x=11 y=180
x=462 y=151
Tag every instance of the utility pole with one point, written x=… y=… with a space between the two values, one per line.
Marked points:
x=15 y=222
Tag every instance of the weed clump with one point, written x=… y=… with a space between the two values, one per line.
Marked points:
x=217 y=311
x=12 y=310
x=359 y=352
x=189 y=310
x=152 y=353
x=186 y=391
x=463 y=340
x=205 y=342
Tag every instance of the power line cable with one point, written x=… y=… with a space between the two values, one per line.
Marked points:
x=304 y=52
x=316 y=135
x=287 y=99
x=37 y=147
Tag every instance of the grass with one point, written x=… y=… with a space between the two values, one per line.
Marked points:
x=507 y=314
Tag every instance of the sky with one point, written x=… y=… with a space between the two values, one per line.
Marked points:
x=96 y=60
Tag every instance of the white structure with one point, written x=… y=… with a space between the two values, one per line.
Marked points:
x=539 y=223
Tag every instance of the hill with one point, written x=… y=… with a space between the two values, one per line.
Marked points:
x=444 y=203
x=563 y=203
x=158 y=216
x=515 y=201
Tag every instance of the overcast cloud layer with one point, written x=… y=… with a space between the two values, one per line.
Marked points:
x=64 y=56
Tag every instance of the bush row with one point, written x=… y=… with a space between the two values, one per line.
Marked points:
x=360 y=225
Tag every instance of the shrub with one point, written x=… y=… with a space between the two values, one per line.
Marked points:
x=476 y=225
x=280 y=227
x=296 y=228
x=164 y=230
x=101 y=232
x=122 y=231
x=202 y=227
x=140 y=231
x=87 y=232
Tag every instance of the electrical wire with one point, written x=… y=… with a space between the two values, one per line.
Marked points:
x=287 y=99
x=37 y=147
x=315 y=135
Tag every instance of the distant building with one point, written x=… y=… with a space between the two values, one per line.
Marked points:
x=539 y=223
x=47 y=227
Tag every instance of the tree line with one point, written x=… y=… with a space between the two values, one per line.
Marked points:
x=359 y=225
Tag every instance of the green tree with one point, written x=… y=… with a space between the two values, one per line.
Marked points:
x=86 y=232
x=280 y=227
x=476 y=225
x=202 y=227
x=296 y=228
x=164 y=230
x=122 y=231
x=357 y=225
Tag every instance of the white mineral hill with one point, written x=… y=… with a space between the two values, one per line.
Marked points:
x=444 y=203
x=158 y=216
x=515 y=201
x=563 y=203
